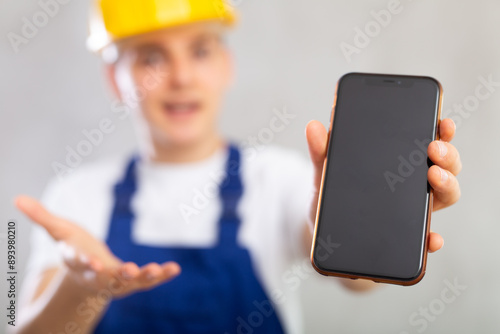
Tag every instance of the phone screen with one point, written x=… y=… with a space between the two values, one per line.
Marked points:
x=375 y=193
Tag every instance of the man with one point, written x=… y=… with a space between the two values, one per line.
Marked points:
x=135 y=255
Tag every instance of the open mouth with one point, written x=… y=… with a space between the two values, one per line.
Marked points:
x=181 y=109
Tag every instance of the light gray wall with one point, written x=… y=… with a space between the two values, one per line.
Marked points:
x=288 y=56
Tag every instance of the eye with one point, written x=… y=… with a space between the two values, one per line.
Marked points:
x=201 y=52
x=152 y=58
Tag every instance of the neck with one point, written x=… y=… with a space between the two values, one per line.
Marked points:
x=175 y=153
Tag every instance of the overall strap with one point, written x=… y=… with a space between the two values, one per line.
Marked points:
x=122 y=216
x=230 y=192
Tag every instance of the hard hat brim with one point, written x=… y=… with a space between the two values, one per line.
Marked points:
x=101 y=36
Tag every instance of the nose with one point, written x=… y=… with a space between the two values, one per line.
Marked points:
x=181 y=73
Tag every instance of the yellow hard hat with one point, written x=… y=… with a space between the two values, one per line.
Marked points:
x=111 y=20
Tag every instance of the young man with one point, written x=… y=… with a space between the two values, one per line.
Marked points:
x=136 y=253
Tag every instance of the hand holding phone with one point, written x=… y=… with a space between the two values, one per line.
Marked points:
x=375 y=201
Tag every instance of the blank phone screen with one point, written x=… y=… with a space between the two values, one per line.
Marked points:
x=375 y=197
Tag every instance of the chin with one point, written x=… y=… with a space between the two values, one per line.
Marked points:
x=183 y=137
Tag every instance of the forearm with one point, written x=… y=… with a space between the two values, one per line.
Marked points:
x=64 y=307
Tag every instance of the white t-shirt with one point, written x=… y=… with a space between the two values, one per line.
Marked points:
x=178 y=204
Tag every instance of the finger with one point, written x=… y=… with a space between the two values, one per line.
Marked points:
x=445 y=185
x=147 y=276
x=58 y=228
x=154 y=274
x=129 y=271
x=317 y=138
x=160 y=273
x=126 y=273
x=150 y=273
x=447 y=129
x=436 y=242
x=445 y=155
x=170 y=269
x=95 y=269
x=95 y=264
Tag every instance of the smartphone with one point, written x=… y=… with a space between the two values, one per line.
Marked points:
x=374 y=207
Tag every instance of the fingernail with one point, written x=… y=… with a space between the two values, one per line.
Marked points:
x=444 y=175
x=150 y=277
x=442 y=149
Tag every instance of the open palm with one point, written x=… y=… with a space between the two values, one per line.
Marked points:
x=90 y=262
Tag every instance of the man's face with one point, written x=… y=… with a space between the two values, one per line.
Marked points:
x=176 y=79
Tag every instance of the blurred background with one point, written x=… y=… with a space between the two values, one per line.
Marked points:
x=289 y=55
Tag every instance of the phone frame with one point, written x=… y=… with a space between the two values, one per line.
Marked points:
x=377 y=279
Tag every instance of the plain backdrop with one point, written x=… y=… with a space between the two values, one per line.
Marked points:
x=288 y=55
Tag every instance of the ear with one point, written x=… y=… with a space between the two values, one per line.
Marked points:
x=110 y=72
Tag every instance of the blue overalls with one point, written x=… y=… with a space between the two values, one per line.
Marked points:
x=217 y=290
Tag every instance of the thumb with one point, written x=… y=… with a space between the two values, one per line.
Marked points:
x=317 y=138
x=57 y=227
